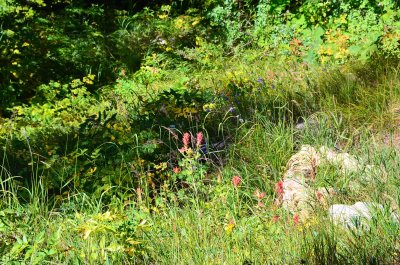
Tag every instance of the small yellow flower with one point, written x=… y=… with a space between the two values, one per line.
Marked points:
x=229 y=227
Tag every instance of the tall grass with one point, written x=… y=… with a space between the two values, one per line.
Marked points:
x=350 y=108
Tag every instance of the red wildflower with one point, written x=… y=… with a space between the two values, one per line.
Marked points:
x=199 y=138
x=236 y=181
x=186 y=139
x=296 y=219
x=276 y=218
x=176 y=170
x=279 y=188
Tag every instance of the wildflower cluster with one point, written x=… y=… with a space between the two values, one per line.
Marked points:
x=190 y=168
x=186 y=142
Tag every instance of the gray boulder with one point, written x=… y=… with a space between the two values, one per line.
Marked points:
x=356 y=215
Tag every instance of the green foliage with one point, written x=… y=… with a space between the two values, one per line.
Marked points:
x=98 y=237
x=149 y=31
x=60 y=41
x=228 y=18
x=95 y=99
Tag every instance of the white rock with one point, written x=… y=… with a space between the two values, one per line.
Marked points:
x=294 y=195
x=302 y=165
x=346 y=162
x=354 y=215
x=300 y=126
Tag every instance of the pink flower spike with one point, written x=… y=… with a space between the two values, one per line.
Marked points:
x=236 y=181
x=186 y=139
x=199 y=138
x=176 y=170
x=296 y=219
x=279 y=188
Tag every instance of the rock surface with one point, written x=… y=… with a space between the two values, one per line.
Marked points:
x=295 y=192
x=356 y=215
x=303 y=164
x=346 y=162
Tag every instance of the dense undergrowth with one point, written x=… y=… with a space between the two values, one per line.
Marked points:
x=155 y=134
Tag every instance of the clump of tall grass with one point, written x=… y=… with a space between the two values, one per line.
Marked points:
x=231 y=222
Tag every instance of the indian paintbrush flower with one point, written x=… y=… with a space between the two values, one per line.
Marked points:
x=296 y=219
x=176 y=170
x=199 y=138
x=186 y=142
x=236 y=181
x=186 y=139
x=279 y=188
